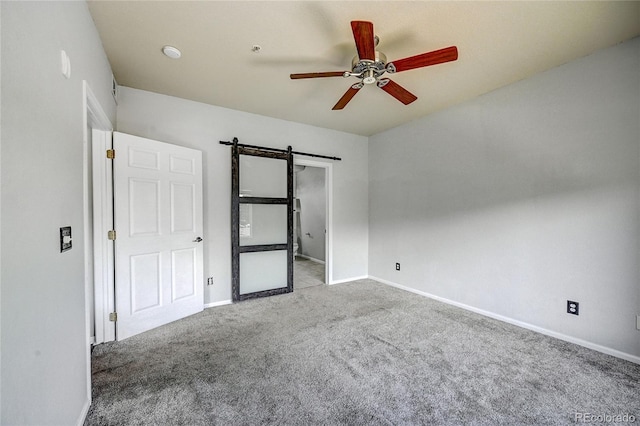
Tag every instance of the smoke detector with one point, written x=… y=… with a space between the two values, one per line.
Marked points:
x=171 y=52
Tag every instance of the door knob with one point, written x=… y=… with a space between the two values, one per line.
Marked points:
x=197 y=240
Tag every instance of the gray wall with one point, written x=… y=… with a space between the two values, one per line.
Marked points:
x=44 y=332
x=521 y=199
x=311 y=192
x=202 y=126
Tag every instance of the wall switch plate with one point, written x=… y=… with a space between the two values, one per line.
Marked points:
x=637 y=322
x=65 y=239
x=397 y=266
x=573 y=307
x=210 y=281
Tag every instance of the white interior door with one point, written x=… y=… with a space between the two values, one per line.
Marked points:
x=158 y=223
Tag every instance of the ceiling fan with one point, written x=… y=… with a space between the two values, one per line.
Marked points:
x=369 y=65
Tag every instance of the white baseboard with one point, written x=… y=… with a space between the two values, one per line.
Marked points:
x=84 y=412
x=596 y=347
x=348 y=280
x=313 y=259
x=214 y=304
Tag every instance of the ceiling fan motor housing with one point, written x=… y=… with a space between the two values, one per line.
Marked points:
x=369 y=71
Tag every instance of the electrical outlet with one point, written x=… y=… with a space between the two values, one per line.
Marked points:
x=210 y=281
x=573 y=307
x=638 y=322
x=397 y=266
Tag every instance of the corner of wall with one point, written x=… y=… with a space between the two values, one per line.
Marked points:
x=520 y=199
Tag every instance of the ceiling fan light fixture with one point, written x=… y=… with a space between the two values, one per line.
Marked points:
x=369 y=77
x=171 y=52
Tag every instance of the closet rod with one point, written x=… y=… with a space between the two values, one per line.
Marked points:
x=235 y=142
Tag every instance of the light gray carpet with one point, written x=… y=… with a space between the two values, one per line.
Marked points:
x=353 y=354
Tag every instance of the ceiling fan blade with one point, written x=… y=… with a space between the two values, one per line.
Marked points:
x=317 y=75
x=397 y=91
x=349 y=94
x=447 y=54
x=364 y=37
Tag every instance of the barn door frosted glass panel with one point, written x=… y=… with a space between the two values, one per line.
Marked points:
x=262 y=177
x=260 y=271
x=263 y=224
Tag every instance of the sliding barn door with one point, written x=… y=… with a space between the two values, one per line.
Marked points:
x=262 y=222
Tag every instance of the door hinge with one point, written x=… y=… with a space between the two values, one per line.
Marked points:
x=113 y=316
x=111 y=235
x=111 y=154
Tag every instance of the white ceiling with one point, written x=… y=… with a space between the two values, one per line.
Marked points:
x=498 y=43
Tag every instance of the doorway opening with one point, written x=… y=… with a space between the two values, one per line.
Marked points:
x=311 y=223
x=96 y=128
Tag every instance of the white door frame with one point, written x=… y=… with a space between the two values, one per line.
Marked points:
x=328 y=187
x=100 y=253
x=104 y=281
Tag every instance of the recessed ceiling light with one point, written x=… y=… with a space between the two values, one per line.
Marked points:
x=171 y=52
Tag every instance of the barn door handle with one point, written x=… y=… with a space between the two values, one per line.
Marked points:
x=197 y=240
